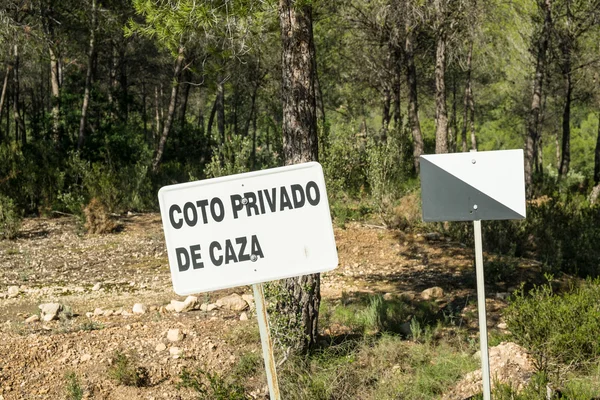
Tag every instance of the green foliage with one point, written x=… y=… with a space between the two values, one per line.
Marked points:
x=387 y=169
x=557 y=329
x=345 y=166
x=73 y=386
x=10 y=220
x=125 y=372
x=211 y=386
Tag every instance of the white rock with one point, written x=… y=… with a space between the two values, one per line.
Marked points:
x=108 y=313
x=98 y=311
x=244 y=317
x=13 y=291
x=174 y=335
x=176 y=352
x=33 y=318
x=139 y=308
x=89 y=314
x=49 y=311
x=85 y=357
x=170 y=307
x=97 y=286
x=161 y=347
x=203 y=306
x=183 y=306
x=211 y=307
x=233 y=302
x=435 y=292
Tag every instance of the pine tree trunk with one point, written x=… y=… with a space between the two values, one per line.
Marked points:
x=186 y=95
x=221 y=109
x=534 y=113
x=55 y=98
x=597 y=156
x=88 y=79
x=441 y=113
x=20 y=133
x=300 y=144
x=413 y=105
x=171 y=111
x=4 y=88
x=566 y=48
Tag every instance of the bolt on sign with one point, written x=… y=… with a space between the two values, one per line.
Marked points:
x=248 y=228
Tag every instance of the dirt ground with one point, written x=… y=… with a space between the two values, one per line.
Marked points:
x=53 y=261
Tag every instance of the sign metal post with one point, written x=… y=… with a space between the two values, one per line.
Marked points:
x=483 y=337
x=265 y=338
x=474 y=186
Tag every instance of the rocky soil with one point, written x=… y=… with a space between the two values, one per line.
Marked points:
x=70 y=302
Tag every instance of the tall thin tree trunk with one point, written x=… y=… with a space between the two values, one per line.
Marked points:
x=167 y=125
x=221 y=109
x=4 y=88
x=186 y=95
x=597 y=156
x=88 y=79
x=453 y=130
x=144 y=109
x=19 y=124
x=123 y=90
x=441 y=113
x=55 y=97
x=300 y=144
x=201 y=102
x=211 y=117
x=413 y=105
x=566 y=120
x=157 y=117
x=534 y=113
x=385 y=114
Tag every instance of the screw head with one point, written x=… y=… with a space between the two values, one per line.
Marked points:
x=474 y=206
x=253 y=257
x=473 y=161
x=244 y=201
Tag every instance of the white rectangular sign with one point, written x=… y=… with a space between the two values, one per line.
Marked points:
x=483 y=185
x=248 y=228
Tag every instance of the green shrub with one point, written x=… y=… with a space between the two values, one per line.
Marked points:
x=10 y=219
x=558 y=330
x=211 y=386
x=73 y=388
x=125 y=371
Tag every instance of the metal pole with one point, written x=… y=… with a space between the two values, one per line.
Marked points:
x=483 y=338
x=265 y=338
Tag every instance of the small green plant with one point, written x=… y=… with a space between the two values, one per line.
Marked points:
x=91 y=325
x=558 y=330
x=211 y=386
x=248 y=364
x=73 y=388
x=10 y=219
x=126 y=372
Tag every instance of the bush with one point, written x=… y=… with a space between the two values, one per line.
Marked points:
x=211 y=386
x=557 y=330
x=125 y=371
x=10 y=219
x=74 y=389
x=97 y=219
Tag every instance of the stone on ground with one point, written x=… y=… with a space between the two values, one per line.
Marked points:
x=175 y=335
x=49 y=311
x=184 y=306
x=509 y=364
x=33 y=318
x=233 y=302
x=139 y=308
x=244 y=317
x=435 y=292
x=13 y=291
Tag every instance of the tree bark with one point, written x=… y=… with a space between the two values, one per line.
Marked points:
x=157 y=118
x=186 y=95
x=20 y=133
x=413 y=105
x=211 y=117
x=300 y=144
x=469 y=106
x=453 y=129
x=441 y=113
x=221 y=109
x=4 y=87
x=597 y=156
x=171 y=111
x=55 y=98
x=534 y=113
x=88 y=79
x=566 y=47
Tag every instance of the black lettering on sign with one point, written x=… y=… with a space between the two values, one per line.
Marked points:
x=217 y=216
x=236 y=204
x=242 y=256
x=261 y=201
x=201 y=204
x=251 y=203
x=183 y=259
x=316 y=196
x=196 y=256
x=256 y=250
x=284 y=200
x=211 y=251
x=271 y=199
x=189 y=208
x=297 y=196
x=175 y=224
x=229 y=252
